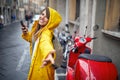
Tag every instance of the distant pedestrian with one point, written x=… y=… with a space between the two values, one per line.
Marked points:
x=1 y=21
x=13 y=17
x=28 y=17
x=1 y=17
x=41 y=46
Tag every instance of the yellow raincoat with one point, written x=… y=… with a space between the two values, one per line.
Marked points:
x=43 y=46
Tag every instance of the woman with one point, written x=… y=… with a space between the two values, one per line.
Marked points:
x=41 y=48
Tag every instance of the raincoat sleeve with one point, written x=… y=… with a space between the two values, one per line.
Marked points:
x=27 y=37
x=46 y=44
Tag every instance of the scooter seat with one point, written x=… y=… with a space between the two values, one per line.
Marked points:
x=94 y=57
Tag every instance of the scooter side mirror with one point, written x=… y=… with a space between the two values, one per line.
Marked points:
x=96 y=27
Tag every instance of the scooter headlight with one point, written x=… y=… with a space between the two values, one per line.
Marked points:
x=82 y=40
x=69 y=43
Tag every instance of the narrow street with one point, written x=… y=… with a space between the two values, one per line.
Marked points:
x=14 y=55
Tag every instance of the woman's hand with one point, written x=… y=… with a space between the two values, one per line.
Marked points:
x=24 y=29
x=47 y=60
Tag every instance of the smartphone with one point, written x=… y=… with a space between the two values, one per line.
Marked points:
x=21 y=22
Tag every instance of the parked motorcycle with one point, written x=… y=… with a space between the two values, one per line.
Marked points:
x=79 y=48
x=92 y=67
x=83 y=65
x=69 y=43
x=65 y=40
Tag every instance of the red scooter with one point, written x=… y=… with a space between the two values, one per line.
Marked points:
x=82 y=65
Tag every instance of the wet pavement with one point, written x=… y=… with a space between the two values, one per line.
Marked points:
x=14 y=55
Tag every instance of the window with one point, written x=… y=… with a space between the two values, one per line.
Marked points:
x=112 y=18
x=77 y=8
x=72 y=10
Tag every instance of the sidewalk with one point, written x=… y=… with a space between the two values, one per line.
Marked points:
x=60 y=74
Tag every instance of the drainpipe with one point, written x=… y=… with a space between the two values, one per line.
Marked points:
x=66 y=14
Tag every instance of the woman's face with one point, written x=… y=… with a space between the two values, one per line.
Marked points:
x=43 y=20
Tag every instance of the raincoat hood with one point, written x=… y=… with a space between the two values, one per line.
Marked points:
x=54 y=19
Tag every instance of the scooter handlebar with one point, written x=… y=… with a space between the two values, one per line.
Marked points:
x=88 y=39
x=94 y=38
